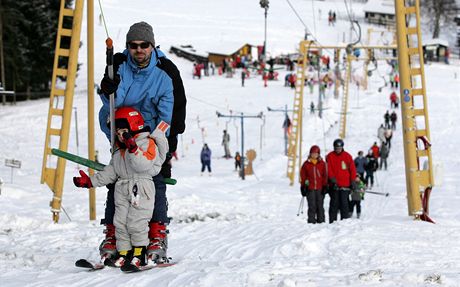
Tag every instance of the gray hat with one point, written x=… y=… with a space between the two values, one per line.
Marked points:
x=141 y=31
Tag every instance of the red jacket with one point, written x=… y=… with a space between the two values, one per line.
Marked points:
x=393 y=97
x=315 y=173
x=375 y=151
x=341 y=167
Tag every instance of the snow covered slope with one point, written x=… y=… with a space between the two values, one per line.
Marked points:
x=225 y=231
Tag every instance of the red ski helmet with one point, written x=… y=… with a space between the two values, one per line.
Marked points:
x=315 y=149
x=127 y=117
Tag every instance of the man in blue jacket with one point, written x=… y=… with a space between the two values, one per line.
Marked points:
x=149 y=82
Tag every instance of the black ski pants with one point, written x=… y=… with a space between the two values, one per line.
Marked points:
x=315 y=201
x=358 y=207
x=339 y=201
x=160 y=210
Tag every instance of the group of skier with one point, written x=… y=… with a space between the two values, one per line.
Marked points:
x=149 y=95
x=343 y=178
x=336 y=176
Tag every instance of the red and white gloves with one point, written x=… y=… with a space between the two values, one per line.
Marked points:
x=83 y=180
x=129 y=142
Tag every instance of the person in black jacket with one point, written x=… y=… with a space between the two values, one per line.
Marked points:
x=371 y=167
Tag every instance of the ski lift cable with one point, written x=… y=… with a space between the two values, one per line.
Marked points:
x=314 y=18
x=306 y=27
x=103 y=18
x=353 y=22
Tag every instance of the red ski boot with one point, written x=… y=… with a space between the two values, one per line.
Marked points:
x=158 y=246
x=108 y=247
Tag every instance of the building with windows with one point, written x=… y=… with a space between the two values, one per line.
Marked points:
x=380 y=12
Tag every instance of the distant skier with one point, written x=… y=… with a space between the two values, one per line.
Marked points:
x=237 y=161
x=356 y=196
x=360 y=163
x=384 y=152
x=388 y=136
x=371 y=167
x=205 y=157
x=386 y=117
x=393 y=99
x=393 y=119
x=381 y=133
x=226 y=143
x=375 y=150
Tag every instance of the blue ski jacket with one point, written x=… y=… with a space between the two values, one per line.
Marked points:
x=149 y=90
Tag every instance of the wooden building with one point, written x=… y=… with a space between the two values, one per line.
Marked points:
x=245 y=50
x=380 y=12
x=189 y=53
x=434 y=50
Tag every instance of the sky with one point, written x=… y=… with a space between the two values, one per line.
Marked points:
x=226 y=231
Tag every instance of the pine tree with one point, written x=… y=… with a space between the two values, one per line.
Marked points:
x=440 y=13
x=29 y=34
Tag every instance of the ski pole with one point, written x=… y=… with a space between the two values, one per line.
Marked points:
x=376 y=192
x=109 y=61
x=300 y=206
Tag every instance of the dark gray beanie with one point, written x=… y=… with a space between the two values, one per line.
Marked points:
x=141 y=31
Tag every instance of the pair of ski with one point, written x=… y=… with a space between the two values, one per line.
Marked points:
x=127 y=268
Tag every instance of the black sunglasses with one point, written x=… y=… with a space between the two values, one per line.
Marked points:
x=134 y=46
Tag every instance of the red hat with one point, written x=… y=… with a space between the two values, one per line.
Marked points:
x=315 y=149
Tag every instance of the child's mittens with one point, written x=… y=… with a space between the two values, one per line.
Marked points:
x=83 y=180
x=130 y=142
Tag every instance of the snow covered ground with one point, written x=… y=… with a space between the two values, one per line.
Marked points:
x=225 y=231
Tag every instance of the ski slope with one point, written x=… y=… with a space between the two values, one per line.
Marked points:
x=226 y=231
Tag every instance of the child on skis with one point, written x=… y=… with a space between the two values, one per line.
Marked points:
x=137 y=158
x=356 y=196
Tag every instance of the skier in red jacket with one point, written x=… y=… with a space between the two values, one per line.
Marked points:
x=342 y=179
x=313 y=180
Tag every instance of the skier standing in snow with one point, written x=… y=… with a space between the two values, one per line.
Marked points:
x=381 y=133
x=386 y=117
x=388 y=136
x=342 y=178
x=371 y=167
x=313 y=181
x=356 y=197
x=205 y=157
x=138 y=157
x=146 y=80
x=393 y=119
x=237 y=161
x=360 y=163
x=226 y=143
x=384 y=152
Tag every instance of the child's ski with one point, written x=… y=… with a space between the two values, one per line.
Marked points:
x=130 y=268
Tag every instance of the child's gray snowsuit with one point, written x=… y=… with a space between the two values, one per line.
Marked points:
x=134 y=188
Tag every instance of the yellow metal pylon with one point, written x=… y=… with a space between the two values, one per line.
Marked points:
x=296 y=130
x=61 y=100
x=414 y=109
